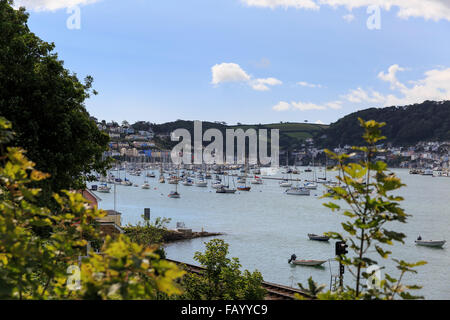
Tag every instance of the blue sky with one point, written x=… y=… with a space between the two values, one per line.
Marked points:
x=250 y=61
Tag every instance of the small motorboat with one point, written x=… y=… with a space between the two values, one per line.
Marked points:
x=243 y=188
x=431 y=243
x=285 y=184
x=225 y=190
x=310 y=186
x=201 y=184
x=188 y=182
x=316 y=237
x=217 y=185
x=311 y=263
x=104 y=189
x=126 y=183
x=296 y=191
x=146 y=185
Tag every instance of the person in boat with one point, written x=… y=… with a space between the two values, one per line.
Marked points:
x=419 y=238
x=293 y=258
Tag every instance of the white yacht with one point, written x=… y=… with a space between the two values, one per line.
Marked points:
x=298 y=191
x=310 y=185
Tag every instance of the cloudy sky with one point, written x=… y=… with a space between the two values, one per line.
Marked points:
x=250 y=61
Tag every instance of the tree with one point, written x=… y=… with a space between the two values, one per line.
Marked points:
x=149 y=233
x=35 y=267
x=222 y=279
x=45 y=103
x=366 y=190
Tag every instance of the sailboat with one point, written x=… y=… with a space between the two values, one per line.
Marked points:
x=175 y=194
x=201 y=182
x=188 y=182
x=285 y=183
x=243 y=180
x=226 y=189
x=257 y=180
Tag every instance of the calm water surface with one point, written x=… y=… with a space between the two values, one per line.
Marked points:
x=264 y=227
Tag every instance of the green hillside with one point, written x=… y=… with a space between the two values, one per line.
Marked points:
x=406 y=125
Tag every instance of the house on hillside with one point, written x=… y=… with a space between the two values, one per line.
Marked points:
x=111 y=224
x=91 y=197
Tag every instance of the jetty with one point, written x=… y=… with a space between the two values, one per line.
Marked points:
x=173 y=235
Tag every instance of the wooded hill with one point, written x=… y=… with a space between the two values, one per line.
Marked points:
x=292 y=134
x=407 y=125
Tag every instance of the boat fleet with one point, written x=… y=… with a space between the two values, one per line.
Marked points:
x=225 y=180
x=322 y=238
x=436 y=172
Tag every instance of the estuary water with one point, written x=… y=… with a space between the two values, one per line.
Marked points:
x=265 y=226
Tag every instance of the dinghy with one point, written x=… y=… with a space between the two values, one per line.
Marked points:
x=316 y=237
x=311 y=263
x=430 y=243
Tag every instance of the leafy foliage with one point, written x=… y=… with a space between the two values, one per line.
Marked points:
x=36 y=267
x=45 y=103
x=366 y=189
x=222 y=279
x=148 y=233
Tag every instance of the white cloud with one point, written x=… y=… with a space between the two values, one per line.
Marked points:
x=360 y=95
x=391 y=77
x=306 y=106
x=232 y=72
x=228 y=72
x=262 y=84
x=348 y=17
x=334 y=105
x=427 y=9
x=434 y=86
x=50 y=5
x=309 y=85
x=282 y=106
x=299 y=4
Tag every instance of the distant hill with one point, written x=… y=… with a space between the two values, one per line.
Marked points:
x=292 y=134
x=407 y=125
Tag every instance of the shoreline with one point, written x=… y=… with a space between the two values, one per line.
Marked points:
x=171 y=236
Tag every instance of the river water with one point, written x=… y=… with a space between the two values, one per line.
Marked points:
x=264 y=227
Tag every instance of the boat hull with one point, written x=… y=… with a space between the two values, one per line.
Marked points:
x=431 y=243
x=317 y=237
x=310 y=263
